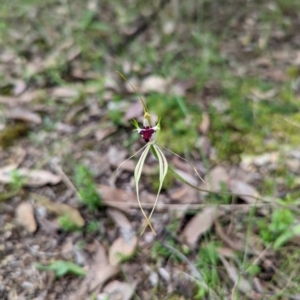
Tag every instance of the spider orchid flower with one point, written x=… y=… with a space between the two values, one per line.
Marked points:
x=149 y=132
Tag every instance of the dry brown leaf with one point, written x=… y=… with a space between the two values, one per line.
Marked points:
x=134 y=111
x=99 y=272
x=215 y=178
x=245 y=191
x=118 y=290
x=60 y=209
x=34 y=178
x=260 y=95
x=64 y=92
x=7 y=100
x=19 y=87
x=187 y=176
x=130 y=165
x=125 y=245
x=25 y=217
x=233 y=243
x=185 y=195
x=38 y=178
x=122 y=247
x=119 y=218
x=101 y=134
x=179 y=87
x=204 y=126
x=198 y=225
x=26 y=97
x=154 y=83
x=115 y=197
x=65 y=128
x=25 y=115
x=111 y=193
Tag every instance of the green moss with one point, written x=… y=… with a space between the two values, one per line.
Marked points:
x=253 y=127
x=11 y=133
x=179 y=121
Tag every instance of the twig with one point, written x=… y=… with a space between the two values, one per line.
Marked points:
x=64 y=177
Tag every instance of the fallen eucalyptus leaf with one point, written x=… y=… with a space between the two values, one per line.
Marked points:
x=198 y=225
x=60 y=209
x=25 y=217
x=25 y=115
x=34 y=178
x=122 y=248
x=99 y=272
x=118 y=290
x=245 y=191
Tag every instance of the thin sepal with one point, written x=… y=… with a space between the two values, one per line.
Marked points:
x=163 y=169
x=195 y=170
x=129 y=159
x=137 y=175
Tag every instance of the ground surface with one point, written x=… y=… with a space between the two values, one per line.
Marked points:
x=224 y=78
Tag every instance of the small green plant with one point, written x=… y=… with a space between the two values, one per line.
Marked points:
x=207 y=261
x=62 y=268
x=160 y=251
x=93 y=226
x=87 y=189
x=66 y=224
x=17 y=180
x=280 y=229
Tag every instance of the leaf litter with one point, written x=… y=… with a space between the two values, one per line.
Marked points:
x=58 y=89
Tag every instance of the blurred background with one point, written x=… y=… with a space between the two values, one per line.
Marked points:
x=224 y=78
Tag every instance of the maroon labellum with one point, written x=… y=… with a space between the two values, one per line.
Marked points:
x=147 y=133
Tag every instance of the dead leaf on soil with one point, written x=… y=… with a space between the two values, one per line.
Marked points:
x=34 y=178
x=125 y=245
x=101 y=134
x=19 y=87
x=64 y=92
x=60 y=209
x=187 y=177
x=130 y=165
x=135 y=110
x=260 y=95
x=198 y=225
x=25 y=115
x=233 y=243
x=25 y=216
x=115 y=156
x=100 y=271
x=121 y=248
x=245 y=191
x=204 y=126
x=215 y=178
x=117 y=290
x=111 y=194
x=154 y=83
x=179 y=87
x=119 y=218
x=122 y=199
